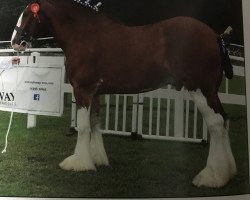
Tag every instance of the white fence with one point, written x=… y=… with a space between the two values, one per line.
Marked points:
x=161 y=114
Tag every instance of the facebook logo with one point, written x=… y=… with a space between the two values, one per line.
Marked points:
x=36 y=97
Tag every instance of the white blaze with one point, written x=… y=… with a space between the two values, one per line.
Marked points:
x=18 y=25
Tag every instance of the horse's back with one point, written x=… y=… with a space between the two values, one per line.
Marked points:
x=132 y=59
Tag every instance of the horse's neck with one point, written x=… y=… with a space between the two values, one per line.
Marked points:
x=63 y=20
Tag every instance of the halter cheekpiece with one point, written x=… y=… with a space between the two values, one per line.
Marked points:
x=87 y=4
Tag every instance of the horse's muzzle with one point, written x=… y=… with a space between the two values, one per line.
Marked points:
x=20 y=47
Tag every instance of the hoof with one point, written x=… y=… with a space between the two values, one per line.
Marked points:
x=209 y=178
x=99 y=157
x=101 y=161
x=76 y=163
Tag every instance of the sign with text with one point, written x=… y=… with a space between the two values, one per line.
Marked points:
x=33 y=90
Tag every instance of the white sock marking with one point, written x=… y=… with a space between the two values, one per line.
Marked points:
x=220 y=163
x=98 y=152
x=18 y=25
x=81 y=160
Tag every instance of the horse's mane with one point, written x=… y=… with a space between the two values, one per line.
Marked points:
x=87 y=4
x=92 y=2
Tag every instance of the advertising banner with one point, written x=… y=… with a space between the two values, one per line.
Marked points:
x=33 y=90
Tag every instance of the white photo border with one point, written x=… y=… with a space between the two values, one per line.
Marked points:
x=246 y=24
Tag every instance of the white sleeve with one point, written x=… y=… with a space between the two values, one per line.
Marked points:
x=5 y=63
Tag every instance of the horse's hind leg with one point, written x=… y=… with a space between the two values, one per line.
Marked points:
x=220 y=167
x=98 y=152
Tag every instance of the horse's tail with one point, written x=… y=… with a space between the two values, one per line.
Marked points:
x=224 y=41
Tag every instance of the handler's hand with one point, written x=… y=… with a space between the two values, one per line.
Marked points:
x=15 y=61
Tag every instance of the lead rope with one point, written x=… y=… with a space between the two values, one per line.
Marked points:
x=11 y=115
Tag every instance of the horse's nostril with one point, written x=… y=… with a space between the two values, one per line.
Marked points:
x=23 y=43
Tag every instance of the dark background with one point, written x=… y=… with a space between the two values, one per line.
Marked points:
x=216 y=13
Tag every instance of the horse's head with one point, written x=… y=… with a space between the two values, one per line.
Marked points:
x=27 y=26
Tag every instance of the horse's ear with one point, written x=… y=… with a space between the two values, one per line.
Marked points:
x=35 y=8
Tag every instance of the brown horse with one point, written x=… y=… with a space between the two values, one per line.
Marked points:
x=104 y=57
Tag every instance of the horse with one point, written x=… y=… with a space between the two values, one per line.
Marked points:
x=106 y=57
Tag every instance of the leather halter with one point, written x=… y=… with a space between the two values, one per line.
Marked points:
x=21 y=33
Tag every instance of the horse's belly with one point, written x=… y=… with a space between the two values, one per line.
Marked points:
x=137 y=85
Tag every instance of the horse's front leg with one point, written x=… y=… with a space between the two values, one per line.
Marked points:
x=81 y=160
x=98 y=152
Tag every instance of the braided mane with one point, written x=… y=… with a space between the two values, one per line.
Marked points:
x=88 y=4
